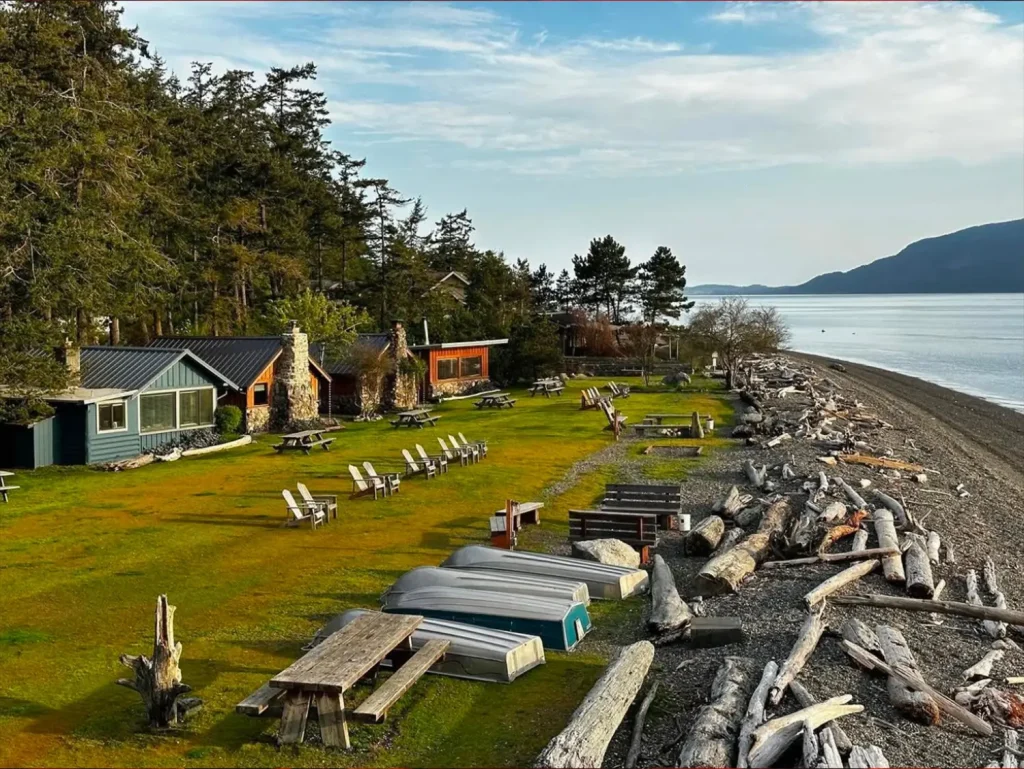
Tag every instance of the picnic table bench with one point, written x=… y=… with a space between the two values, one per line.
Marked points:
x=4 y=488
x=515 y=514
x=415 y=418
x=681 y=430
x=547 y=386
x=304 y=441
x=664 y=500
x=334 y=666
x=639 y=530
x=495 y=401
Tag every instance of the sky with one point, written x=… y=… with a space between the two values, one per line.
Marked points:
x=762 y=142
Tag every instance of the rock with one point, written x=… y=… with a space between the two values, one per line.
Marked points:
x=921 y=478
x=836 y=366
x=864 y=483
x=564 y=377
x=612 y=552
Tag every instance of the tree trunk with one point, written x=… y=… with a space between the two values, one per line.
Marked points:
x=705 y=536
x=115 y=332
x=158 y=680
x=712 y=740
x=668 y=611
x=943 y=607
x=724 y=573
x=584 y=741
x=915 y=705
x=870 y=757
x=920 y=583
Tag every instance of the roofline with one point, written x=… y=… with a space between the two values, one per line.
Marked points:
x=457 y=274
x=319 y=368
x=185 y=353
x=457 y=345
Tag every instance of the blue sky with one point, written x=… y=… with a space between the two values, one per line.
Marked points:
x=762 y=142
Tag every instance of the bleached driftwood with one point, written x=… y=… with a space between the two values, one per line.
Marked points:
x=860 y=540
x=754 y=715
x=988 y=573
x=633 y=754
x=853 y=555
x=920 y=583
x=855 y=498
x=732 y=503
x=1011 y=751
x=983 y=667
x=837 y=581
x=729 y=540
x=933 y=547
x=668 y=611
x=756 y=476
x=810 y=746
x=805 y=700
x=724 y=573
x=856 y=632
x=939 y=588
x=893 y=506
x=787 y=472
x=867 y=757
x=705 y=536
x=772 y=738
x=584 y=741
x=830 y=757
x=806 y=641
x=912 y=703
x=833 y=512
x=942 y=607
x=712 y=739
x=885 y=530
x=822 y=481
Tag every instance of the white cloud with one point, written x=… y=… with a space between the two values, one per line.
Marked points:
x=887 y=82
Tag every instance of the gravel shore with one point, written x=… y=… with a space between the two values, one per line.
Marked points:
x=959 y=439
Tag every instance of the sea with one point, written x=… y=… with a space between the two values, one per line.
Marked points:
x=972 y=343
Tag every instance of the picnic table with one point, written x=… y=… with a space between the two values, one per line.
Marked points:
x=304 y=441
x=414 y=418
x=495 y=401
x=547 y=386
x=4 y=488
x=659 y=418
x=333 y=667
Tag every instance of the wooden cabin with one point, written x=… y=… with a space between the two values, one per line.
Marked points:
x=454 y=368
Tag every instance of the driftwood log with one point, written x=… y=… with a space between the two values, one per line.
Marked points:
x=732 y=503
x=988 y=573
x=668 y=611
x=838 y=581
x=858 y=633
x=805 y=700
x=806 y=642
x=712 y=739
x=158 y=680
x=912 y=703
x=855 y=498
x=730 y=539
x=867 y=757
x=918 y=570
x=772 y=738
x=860 y=540
x=830 y=756
x=754 y=715
x=724 y=573
x=810 y=746
x=983 y=667
x=994 y=628
x=941 y=607
x=705 y=536
x=584 y=741
x=933 y=547
x=633 y=754
x=885 y=530
x=756 y=476
x=853 y=555
x=802 y=533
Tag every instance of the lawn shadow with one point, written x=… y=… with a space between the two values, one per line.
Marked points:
x=213 y=519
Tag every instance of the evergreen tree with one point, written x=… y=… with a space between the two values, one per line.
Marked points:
x=660 y=286
x=605 y=277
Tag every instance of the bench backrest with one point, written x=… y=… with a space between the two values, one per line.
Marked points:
x=410 y=461
x=652 y=489
x=293 y=508
x=636 y=529
x=357 y=478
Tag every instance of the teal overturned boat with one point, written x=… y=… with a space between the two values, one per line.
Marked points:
x=560 y=623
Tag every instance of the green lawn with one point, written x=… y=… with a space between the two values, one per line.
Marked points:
x=83 y=555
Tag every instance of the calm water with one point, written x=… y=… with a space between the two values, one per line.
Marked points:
x=973 y=343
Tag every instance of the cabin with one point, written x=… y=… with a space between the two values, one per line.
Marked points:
x=129 y=400
x=455 y=368
x=258 y=366
x=454 y=284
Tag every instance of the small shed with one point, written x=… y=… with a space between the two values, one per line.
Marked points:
x=454 y=368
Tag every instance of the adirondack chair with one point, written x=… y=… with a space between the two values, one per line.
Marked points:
x=613 y=416
x=449 y=454
x=429 y=469
x=470 y=451
x=326 y=502
x=481 y=445
x=391 y=480
x=298 y=515
x=362 y=487
x=440 y=461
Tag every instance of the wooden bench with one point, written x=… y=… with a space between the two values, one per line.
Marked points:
x=374 y=708
x=639 y=530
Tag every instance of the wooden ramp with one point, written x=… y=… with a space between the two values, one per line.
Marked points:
x=375 y=707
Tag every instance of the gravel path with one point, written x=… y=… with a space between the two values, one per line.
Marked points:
x=960 y=440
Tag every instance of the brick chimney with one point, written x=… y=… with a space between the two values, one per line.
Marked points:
x=402 y=392
x=69 y=355
x=293 y=400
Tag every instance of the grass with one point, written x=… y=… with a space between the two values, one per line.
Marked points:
x=85 y=553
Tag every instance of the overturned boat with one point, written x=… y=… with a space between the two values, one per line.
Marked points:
x=476 y=653
x=603 y=581
x=560 y=623
x=494 y=581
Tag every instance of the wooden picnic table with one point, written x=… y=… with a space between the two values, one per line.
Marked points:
x=495 y=400
x=547 y=386
x=333 y=667
x=659 y=418
x=4 y=488
x=304 y=441
x=414 y=418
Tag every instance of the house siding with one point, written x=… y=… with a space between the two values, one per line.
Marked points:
x=44 y=442
x=110 y=447
x=437 y=387
x=180 y=376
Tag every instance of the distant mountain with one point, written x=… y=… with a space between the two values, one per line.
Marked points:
x=986 y=259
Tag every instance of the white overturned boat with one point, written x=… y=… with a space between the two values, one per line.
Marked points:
x=603 y=581
x=560 y=623
x=476 y=653
x=494 y=581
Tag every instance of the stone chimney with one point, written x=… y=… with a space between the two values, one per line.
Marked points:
x=402 y=392
x=69 y=355
x=293 y=400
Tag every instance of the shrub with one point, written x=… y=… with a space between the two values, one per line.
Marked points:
x=228 y=419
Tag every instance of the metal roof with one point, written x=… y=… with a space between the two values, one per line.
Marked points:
x=336 y=363
x=241 y=358
x=458 y=345
x=132 y=368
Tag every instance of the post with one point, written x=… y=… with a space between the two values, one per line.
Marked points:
x=509 y=519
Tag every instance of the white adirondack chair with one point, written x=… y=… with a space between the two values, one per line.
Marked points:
x=449 y=454
x=480 y=445
x=298 y=514
x=440 y=461
x=326 y=502
x=470 y=452
x=361 y=486
x=412 y=467
x=391 y=480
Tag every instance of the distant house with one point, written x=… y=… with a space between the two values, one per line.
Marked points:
x=454 y=284
x=453 y=368
x=255 y=364
x=129 y=400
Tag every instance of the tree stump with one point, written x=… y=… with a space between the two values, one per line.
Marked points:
x=158 y=680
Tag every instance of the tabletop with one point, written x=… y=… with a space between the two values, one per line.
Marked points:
x=346 y=656
x=414 y=413
x=303 y=434
x=5 y=474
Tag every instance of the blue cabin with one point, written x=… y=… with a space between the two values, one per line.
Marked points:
x=129 y=400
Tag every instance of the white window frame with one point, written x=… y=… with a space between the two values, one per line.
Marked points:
x=177 y=409
x=124 y=429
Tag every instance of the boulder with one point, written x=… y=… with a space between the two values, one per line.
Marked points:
x=612 y=552
x=564 y=377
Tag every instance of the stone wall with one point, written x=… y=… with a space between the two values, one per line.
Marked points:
x=257 y=419
x=459 y=387
x=371 y=394
x=292 y=399
x=402 y=391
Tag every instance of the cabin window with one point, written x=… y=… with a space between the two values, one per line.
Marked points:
x=111 y=417
x=157 y=412
x=195 y=408
x=260 y=394
x=472 y=367
x=448 y=368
